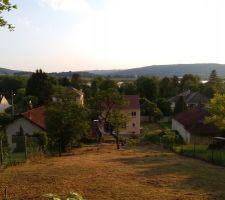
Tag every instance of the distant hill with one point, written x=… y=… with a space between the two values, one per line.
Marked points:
x=104 y=72
x=4 y=71
x=203 y=70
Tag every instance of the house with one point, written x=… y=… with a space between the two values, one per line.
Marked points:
x=79 y=95
x=192 y=99
x=191 y=127
x=134 y=112
x=4 y=104
x=30 y=121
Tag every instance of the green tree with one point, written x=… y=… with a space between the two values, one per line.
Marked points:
x=128 y=88
x=149 y=108
x=180 y=105
x=148 y=87
x=190 y=82
x=64 y=81
x=107 y=84
x=165 y=87
x=39 y=85
x=42 y=138
x=11 y=83
x=216 y=108
x=165 y=106
x=95 y=84
x=107 y=107
x=174 y=86
x=66 y=122
x=5 y=5
x=5 y=119
x=76 y=81
x=213 y=77
x=117 y=121
x=214 y=85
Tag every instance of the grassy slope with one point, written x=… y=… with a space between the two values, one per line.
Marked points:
x=105 y=173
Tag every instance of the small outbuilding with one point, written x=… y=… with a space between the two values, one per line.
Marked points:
x=191 y=127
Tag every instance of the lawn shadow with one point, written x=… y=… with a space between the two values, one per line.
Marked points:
x=181 y=174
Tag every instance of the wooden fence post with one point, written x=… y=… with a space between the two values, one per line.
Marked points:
x=25 y=145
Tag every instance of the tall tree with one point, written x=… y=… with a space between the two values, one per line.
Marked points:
x=39 y=85
x=150 y=109
x=5 y=5
x=165 y=106
x=108 y=84
x=214 y=85
x=190 y=82
x=148 y=87
x=128 y=88
x=216 y=108
x=165 y=87
x=107 y=107
x=213 y=77
x=66 y=121
x=76 y=81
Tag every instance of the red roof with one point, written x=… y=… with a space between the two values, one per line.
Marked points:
x=36 y=116
x=193 y=121
x=133 y=101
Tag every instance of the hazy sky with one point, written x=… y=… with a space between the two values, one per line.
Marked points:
x=63 y=35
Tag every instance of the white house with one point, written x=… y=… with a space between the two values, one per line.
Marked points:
x=30 y=121
x=191 y=127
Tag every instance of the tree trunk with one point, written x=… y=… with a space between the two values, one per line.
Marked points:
x=116 y=136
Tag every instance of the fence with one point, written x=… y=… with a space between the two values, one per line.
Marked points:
x=203 y=152
x=23 y=147
x=202 y=148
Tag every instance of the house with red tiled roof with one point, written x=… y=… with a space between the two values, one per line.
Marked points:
x=31 y=121
x=134 y=113
x=132 y=110
x=191 y=127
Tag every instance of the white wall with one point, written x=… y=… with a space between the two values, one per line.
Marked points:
x=182 y=131
x=14 y=127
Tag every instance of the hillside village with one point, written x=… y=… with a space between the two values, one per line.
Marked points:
x=43 y=115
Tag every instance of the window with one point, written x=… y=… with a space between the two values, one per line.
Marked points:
x=133 y=114
x=133 y=124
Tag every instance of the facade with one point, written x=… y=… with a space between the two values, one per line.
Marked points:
x=4 y=104
x=134 y=113
x=191 y=127
x=192 y=99
x=30 y=121
x=79 y=95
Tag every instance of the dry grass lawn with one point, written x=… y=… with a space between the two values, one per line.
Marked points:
x=104 y=173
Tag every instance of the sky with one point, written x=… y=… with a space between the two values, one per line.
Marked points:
x=76 y=35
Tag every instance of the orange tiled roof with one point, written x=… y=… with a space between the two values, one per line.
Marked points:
x=36 y=116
